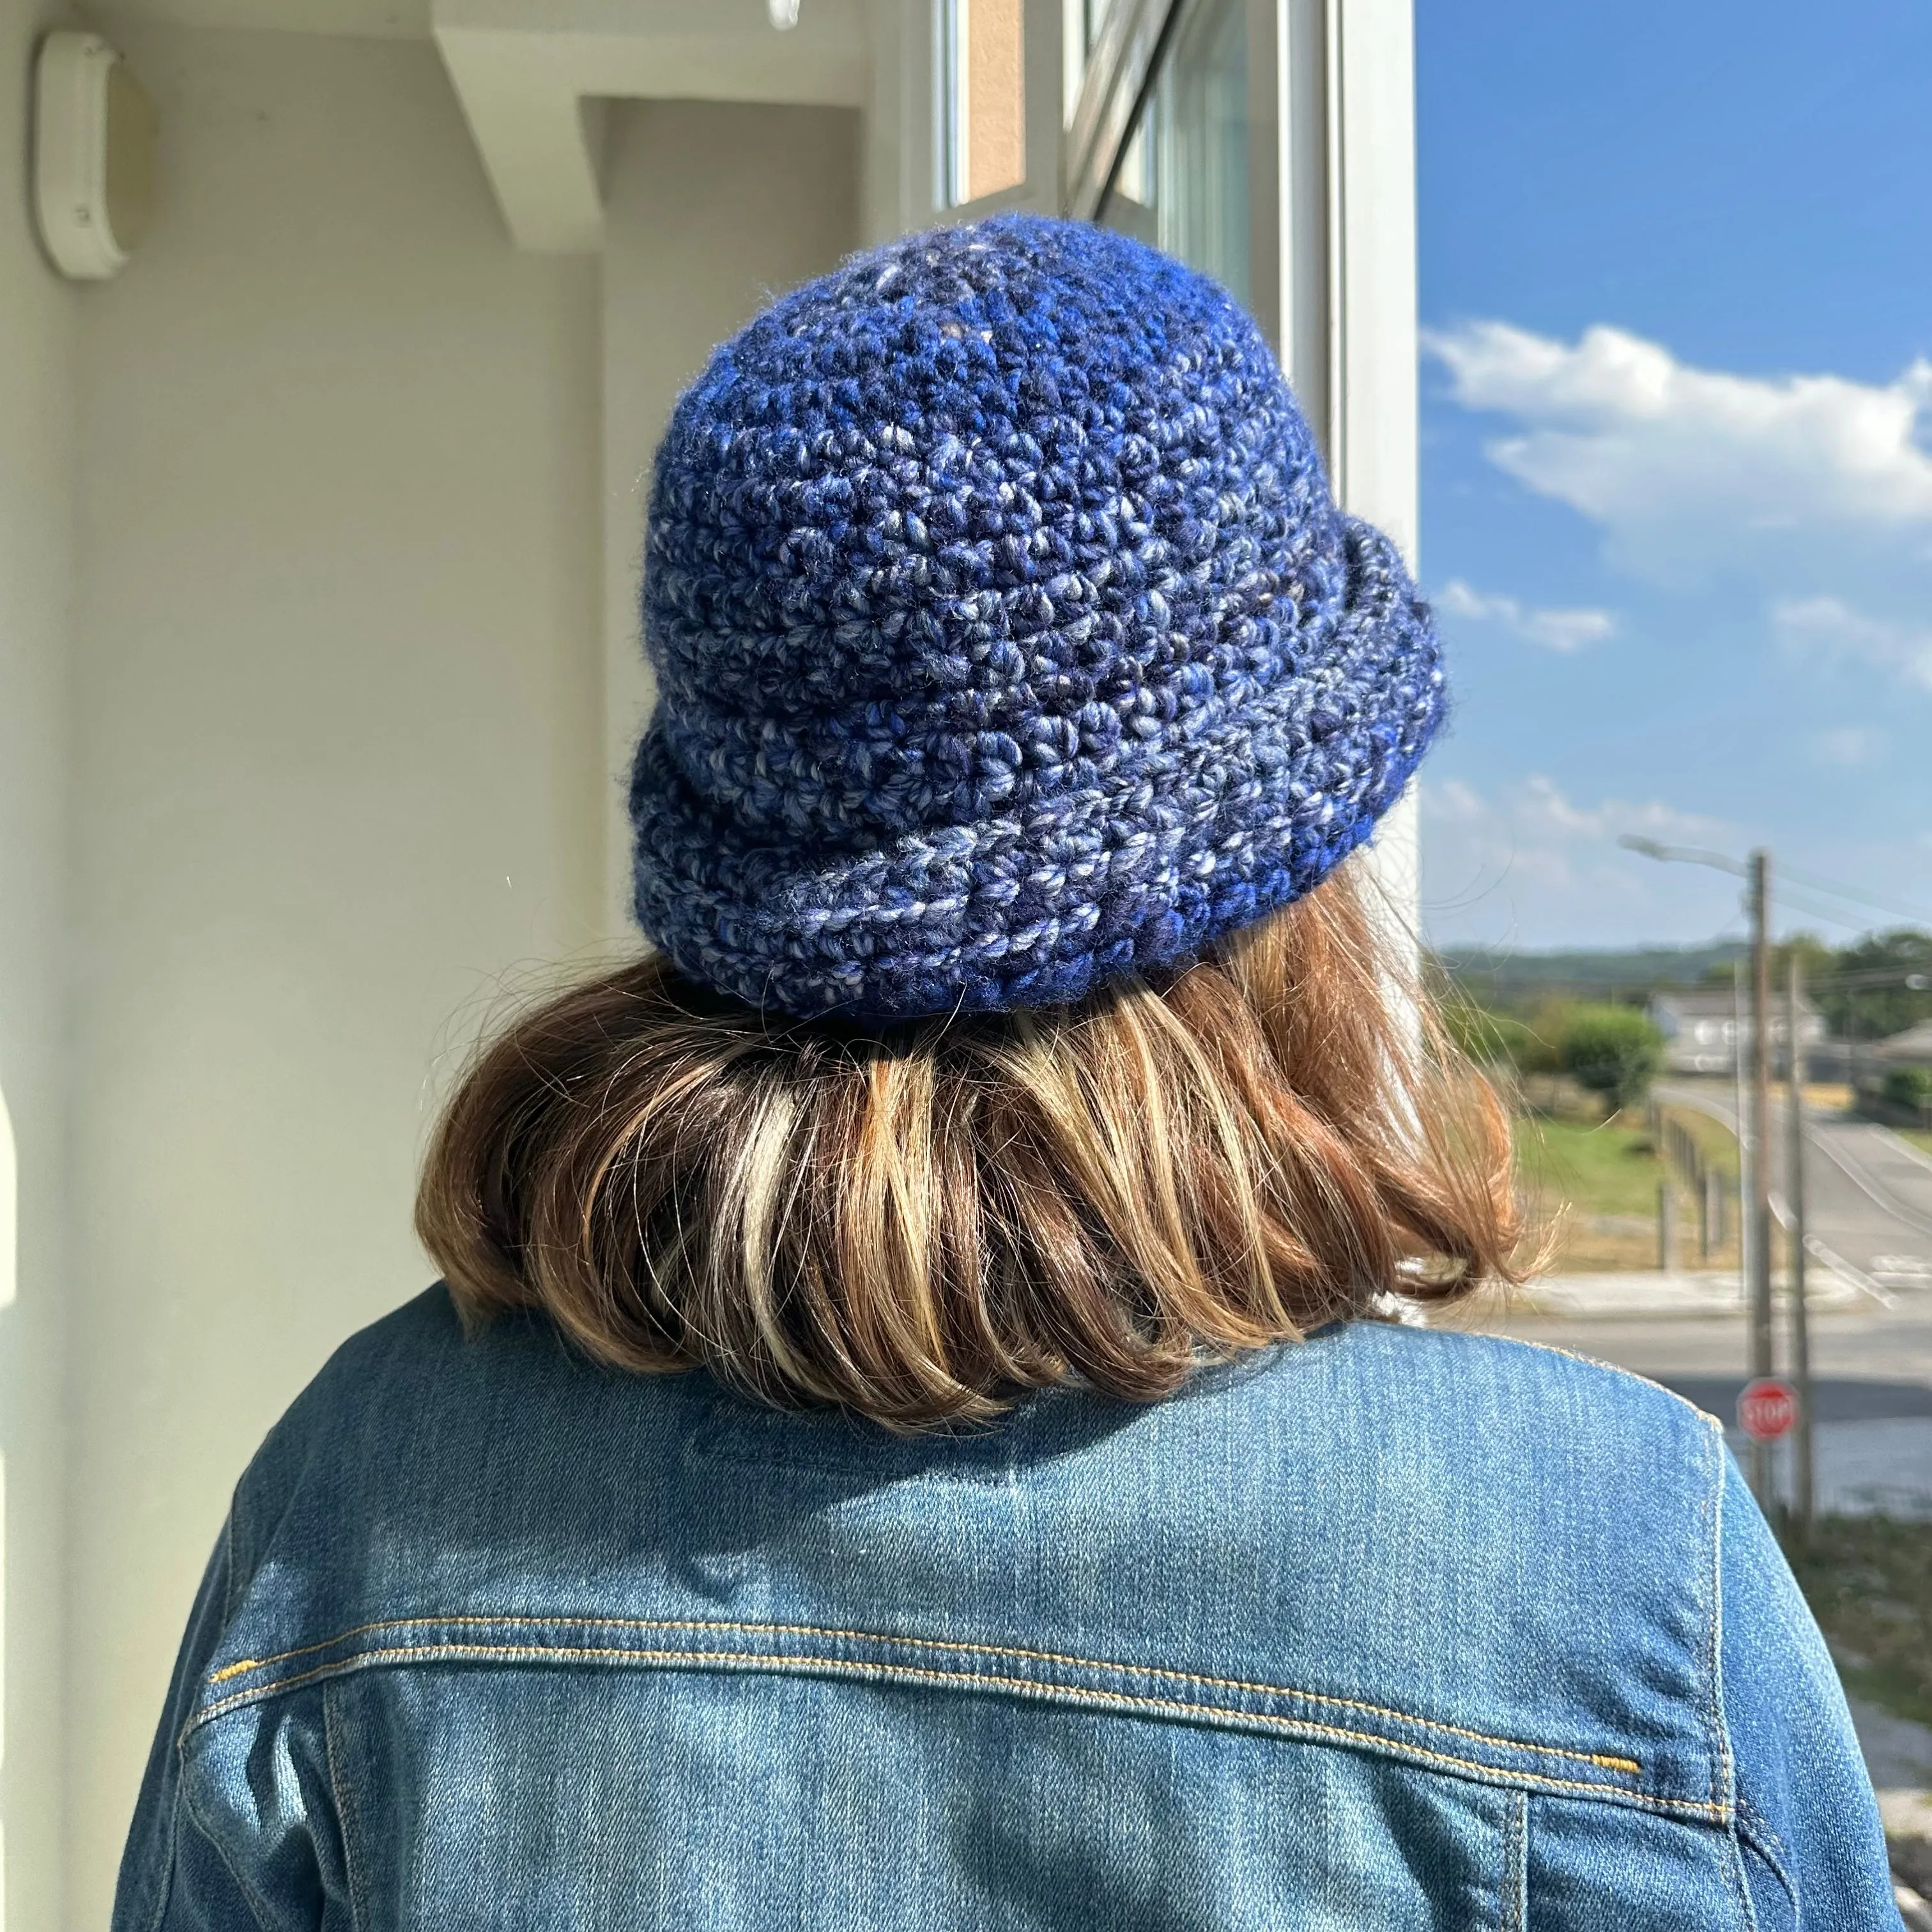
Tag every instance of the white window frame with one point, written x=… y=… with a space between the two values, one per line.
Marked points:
x=1331 y=102
x=907 y=188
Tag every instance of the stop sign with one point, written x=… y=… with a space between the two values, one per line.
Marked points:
x=1767 y=1409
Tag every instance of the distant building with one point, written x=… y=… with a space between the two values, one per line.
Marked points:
x=1700 y=1030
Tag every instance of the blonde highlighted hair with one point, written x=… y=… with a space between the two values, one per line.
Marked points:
x=921 y=1223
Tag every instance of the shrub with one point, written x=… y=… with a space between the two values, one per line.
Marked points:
x=1490 y=1039
x=1543 y=1050
x=1614 y=1051
x=1910 y=1088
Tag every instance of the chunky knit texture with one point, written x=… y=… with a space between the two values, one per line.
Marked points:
x=1007 y=639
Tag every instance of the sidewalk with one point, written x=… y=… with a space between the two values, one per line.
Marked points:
x=1650 y=1294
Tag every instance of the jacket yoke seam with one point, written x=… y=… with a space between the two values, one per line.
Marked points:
x=1117 y=1700
x=1600 y=1760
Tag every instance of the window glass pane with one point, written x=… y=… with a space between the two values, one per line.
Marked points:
x=1182 y=181
x=984 y=81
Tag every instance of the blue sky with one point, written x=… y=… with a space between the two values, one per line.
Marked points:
x=1676 y=292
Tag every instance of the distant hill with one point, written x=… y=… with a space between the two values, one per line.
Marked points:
x=1501 y=979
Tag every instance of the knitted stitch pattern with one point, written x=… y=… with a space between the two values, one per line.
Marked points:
x=1007 y=639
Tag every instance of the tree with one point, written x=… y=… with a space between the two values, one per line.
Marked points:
x=1615 y=1051
x=1874 y=1012
x=1815 y=961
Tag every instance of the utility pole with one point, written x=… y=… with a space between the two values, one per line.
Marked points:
x=1757 y=1455
x=1753 y=1123
x=1760 y=1278
x=1804 y=1484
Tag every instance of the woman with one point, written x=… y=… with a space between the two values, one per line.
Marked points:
x=1005 y=1176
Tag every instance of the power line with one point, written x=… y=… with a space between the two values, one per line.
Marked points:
x=1817 y=882
x=1722 y=861
x=1799 y=902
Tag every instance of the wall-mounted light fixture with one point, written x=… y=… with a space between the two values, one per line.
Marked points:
x=93 y=139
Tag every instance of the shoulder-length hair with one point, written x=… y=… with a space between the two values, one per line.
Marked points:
x=921 y=1223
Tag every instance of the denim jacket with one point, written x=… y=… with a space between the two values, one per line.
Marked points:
x=1391 y=1628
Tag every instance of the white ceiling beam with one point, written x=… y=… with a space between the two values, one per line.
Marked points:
x=525 y=116
x=532 y=75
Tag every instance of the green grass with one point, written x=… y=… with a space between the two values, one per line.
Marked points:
x=1608 y=1169
x=1718 y=1143
x=1591 y=1187
x=1868 y=1580
x=1590 y=1193
x=1919 y=1137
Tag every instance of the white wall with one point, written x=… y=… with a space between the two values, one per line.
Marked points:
x=347 y=639
x=710 y=209
x=337 y=699
x=36 y=581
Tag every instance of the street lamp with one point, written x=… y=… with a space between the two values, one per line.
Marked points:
x=1685 y=855
x=1757 y=871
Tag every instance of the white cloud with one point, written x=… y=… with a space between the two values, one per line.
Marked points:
x=1562 y=631
x=1830 y=625
x=1525 y=865
x=1851 y=745
x=1693 y=472
x=1529 y=865
x=1539 y=817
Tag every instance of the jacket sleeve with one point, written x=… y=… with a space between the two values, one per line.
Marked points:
x=170 y=1876
x=1814 y=1852
x=236 y=1829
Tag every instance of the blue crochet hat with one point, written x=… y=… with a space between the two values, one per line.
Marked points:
x=1007 y=639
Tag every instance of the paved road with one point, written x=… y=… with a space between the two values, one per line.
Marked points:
x=1866 y=1344
x=1834 y=1398
x=1868 y=1194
